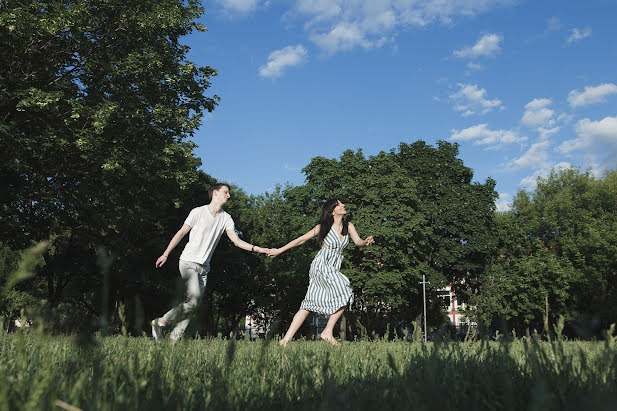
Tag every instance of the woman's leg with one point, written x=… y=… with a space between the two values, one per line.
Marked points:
x=295 y=325
x=326 y=334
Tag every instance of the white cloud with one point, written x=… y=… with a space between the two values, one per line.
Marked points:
x=597 y=140
x=563 y=165
x=474 y=66
x=470 y=99
x=375 y=22
x=591 y=95
x=481 y=134
x=577 y=34
x=538 y=103
x=565 y=118
x=444 y=11
x=538 y=114
x=278 y=60
x=380 y=20
x=531 y=182
x=535 y=157
x=504 y=202
x=545 y=133
x=343 y=36
x=320 y=9
x=488 y=45
x=239 y=6
x=604 y=130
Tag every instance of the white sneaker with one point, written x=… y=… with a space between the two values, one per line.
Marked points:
x=157 y=331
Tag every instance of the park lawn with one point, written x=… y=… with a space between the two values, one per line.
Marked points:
x=109 y=373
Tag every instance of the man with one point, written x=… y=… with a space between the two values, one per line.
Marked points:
x=206 y=225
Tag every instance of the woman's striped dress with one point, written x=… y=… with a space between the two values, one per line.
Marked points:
x=328 y=288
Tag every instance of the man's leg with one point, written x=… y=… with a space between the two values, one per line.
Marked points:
x=196 y=278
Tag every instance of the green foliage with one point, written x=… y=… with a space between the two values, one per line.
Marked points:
x=15 y=271
x=98 y=100
x=423 y=211
x=136 y=373
x=458 y=215
x=560 y=243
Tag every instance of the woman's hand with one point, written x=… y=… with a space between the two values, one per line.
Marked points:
x=369 y=240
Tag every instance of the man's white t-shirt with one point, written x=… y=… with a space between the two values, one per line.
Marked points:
x=206 y=231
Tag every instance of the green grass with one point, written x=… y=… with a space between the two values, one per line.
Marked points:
x=136 y=373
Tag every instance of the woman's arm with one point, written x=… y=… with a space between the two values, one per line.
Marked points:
x=294 y=243
x=356 y=238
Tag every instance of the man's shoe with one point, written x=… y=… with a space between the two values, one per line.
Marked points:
x=157 y=330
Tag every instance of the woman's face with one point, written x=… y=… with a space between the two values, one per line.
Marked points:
x=339 y=209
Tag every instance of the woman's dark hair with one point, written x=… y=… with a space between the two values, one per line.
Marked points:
x=326 y=220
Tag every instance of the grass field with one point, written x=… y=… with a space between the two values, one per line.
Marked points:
x=44 y=372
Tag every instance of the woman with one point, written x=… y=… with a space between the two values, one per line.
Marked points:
x=329 y=291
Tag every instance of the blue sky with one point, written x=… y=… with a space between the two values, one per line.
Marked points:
x=522 y=86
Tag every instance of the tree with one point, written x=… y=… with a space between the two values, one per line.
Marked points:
x=98 y=100
x=458 y=215
x=422 y=223
x=558 y=247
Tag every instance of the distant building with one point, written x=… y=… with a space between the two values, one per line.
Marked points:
x=451 y=306
x=254 y=328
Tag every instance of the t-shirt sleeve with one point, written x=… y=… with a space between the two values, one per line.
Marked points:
x=229 y=223
x=191 y=220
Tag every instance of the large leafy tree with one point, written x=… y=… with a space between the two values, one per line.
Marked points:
x=558 y=246
x=458 y=215
x=383 y=202
x=426 y=215
x=97 y=101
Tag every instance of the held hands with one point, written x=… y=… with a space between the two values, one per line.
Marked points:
x=273 y=252
x=369 y=240
x=261 y=250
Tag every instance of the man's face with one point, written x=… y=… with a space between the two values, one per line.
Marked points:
x=221 y=195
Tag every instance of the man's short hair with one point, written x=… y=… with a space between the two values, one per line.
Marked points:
x=216 y=187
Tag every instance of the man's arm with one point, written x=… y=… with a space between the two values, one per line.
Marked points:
x=172 y=244
x=238 y=242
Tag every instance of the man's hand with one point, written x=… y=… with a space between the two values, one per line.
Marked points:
x=161 y=260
